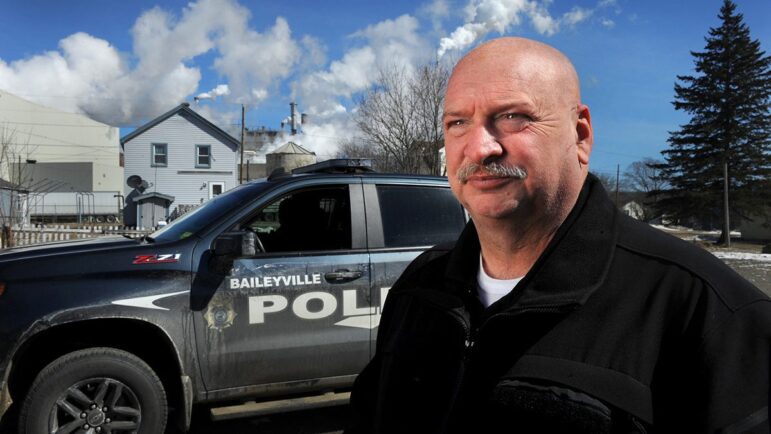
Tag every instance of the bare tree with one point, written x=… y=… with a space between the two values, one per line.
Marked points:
x=15 y=181
x=401 y=118
x=359 y=148
x=429 y=87
x=645 y=176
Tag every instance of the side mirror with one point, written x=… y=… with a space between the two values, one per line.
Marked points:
x=228 y=244
x=236 y=244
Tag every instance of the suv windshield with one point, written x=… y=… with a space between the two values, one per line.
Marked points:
x=209 y=212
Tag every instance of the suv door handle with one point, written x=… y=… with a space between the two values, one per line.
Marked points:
x=341 y=276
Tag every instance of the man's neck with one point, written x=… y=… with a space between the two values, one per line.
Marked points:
x=510 y=246
x=509 y=251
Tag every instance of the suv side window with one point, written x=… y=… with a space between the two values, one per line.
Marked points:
x=419 y=216
x=306 y=220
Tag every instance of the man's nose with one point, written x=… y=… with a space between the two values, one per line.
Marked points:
x=482 y=146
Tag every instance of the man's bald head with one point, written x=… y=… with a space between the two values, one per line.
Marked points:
x=516 y=103
x=528 y=60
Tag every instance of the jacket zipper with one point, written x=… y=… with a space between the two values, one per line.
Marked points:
x=468 y=343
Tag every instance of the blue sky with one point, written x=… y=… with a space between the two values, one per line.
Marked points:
x=123 y=62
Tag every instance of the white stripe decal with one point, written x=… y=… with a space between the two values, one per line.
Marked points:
x=361 y=321
x=146 y=302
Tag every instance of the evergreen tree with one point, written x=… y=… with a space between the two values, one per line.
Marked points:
x=724 y=151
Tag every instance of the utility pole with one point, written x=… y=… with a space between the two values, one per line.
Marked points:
x=241 y=166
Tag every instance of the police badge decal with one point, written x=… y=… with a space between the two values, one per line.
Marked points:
x=220 y=313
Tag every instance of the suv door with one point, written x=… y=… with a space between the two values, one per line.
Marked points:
x=403 y=221
x=288 y=313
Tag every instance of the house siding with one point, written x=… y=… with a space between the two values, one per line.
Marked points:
x=180 y=178
x=53 y=137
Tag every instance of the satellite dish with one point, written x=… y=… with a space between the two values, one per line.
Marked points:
x=134 y=181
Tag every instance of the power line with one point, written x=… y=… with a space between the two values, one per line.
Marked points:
x=54 y=139
x=58 y=125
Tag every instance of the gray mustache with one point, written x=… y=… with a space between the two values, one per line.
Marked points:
x=494 y=168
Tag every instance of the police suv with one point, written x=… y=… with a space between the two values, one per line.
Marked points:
x=270 y=293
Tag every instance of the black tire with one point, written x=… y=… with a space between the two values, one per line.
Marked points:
x=70 y=395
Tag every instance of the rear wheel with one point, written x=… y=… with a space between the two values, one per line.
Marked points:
x=95 y=391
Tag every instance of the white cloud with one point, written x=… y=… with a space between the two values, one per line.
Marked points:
x=387 y=43
x=608 y=23
x=83 y=68
x=314 y=53
x=220 y=90
x=576 y=15
x=90 y=76
x=228 y=120
x=253 y=61
x=542 y=20
x=324 y=138
x=486 y=16
x=396 y=41
x=436 y=11
x=327 y=94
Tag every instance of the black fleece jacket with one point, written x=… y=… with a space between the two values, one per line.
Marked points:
x=617 y=327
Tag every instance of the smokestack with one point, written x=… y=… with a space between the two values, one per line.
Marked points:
x=293 y=121
x=303 y=118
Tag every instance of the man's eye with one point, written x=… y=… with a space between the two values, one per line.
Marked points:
x=512 y=122
x=454 y=123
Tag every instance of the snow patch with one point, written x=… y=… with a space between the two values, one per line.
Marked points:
x=743 y=256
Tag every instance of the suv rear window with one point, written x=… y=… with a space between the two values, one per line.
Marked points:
x=419 y=216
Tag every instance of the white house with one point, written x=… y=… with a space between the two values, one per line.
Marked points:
x=181 y=156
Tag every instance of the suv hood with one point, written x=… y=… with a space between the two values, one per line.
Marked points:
x=64 y=247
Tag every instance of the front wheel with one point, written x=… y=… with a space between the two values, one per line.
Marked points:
x=95 y=391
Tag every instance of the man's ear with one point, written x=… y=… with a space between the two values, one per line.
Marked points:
x=584 y=134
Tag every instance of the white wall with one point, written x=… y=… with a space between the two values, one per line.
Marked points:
x=51 y=136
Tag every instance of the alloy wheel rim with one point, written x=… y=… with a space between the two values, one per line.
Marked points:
x=99 y=405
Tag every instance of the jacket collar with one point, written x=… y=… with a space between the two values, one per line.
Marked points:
x=570 y=269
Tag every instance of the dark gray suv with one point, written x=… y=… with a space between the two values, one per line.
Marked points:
x=271 y=291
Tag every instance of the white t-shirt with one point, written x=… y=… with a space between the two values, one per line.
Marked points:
x=490 y=289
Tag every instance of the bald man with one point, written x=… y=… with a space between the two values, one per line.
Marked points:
x=553 y=312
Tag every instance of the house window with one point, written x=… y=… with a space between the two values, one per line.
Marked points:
x=160 y=155
x=216 y=188
x=203 y=156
